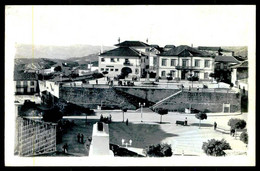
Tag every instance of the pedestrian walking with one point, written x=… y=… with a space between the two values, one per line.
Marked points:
x=186 y=121
x=215 y=125
x=96 y=81
x=126 y=122
x=78 y=136
x=110 y=118
x=65 y=148
x=82 y=138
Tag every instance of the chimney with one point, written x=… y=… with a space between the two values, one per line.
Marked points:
x=101 y=49
x=147 y=40
x=191 y=45
x=118 y=40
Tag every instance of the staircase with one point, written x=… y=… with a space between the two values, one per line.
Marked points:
x=166 y=98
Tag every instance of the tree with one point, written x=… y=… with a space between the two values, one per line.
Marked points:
x=57 y=68
x=161 y=112
x=201 y=116
x=159 y=150
x=124 y=109
x=235 y=123
x=193 y=78
x=244 y=137
x=52 y=115
x=215 y=147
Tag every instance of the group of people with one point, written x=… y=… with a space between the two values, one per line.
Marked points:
x=80 y=138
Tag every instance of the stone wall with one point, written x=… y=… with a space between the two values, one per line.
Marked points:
x=202 y=100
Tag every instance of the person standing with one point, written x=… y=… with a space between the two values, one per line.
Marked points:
x=82 y=138
x=78 y=136
x=126 y=122
x=215 y=125
x=186 y=121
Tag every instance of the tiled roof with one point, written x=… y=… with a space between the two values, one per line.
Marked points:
x=132 y=44
x=209 y=48
x=243 y=64
x=123 y=51
x=185 y=50
x=169 y=46
x=23 y=76
x=154 y=46
x=228 y=59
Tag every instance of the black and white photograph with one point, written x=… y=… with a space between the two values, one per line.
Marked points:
x=130 y=85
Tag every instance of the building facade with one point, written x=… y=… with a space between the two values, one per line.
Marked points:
x=124 y=59
x=183 y=61
x=25 y=83
x=239 y=75
x=35 y=137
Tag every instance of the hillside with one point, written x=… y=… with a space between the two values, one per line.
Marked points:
x=57 y=52
x=239 y=50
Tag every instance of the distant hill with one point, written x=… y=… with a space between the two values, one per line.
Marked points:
x=57 y=52
x=238 y=50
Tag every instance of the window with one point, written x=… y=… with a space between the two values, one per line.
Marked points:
x=18 y=83
x=136 y=71
x=107 y=69
x=102 y=69
x=112 y=60
x=111 y=69
x=102 y=59
x=225 y=66
x=217 y=66
x=164 y=62
x=196 y=73
x=206 y=75
x=116 y=69
x=117 y=59
x=31 y=89
x=197 y=63
x=126 y=60
x=163 y=74
x=206 y=63
x=25 y=83
x=173 y=62
x=172 y=73
x=184 y=62
x=32 y=83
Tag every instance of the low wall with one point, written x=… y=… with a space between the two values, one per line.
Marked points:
x=212 y=101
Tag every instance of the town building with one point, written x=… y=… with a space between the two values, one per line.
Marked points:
x=223 y=67
x=125 y=59
x=183 y=61
x=25 y=83
x=239 y=75
x=35 y=137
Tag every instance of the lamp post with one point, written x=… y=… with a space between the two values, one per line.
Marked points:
x=126 y=143
x=141 y=105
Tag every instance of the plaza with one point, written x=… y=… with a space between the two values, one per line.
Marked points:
x=185 y=140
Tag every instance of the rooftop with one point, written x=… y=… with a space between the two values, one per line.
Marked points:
x=169 y=46
x=243 y=64
x=185 y=50
x=132 y=44
x=227 y=59
x=209 y=48
x=123 y=51
x=23 y=76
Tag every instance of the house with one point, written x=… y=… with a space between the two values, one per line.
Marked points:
x=93 y=66
x=239 y=75
x=122 y=59
x=182 y=61
x=25 y=83
x=222 y=67
x=218 y=51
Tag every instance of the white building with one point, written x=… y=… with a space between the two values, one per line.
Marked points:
x=124 y=58
x=239 y=75
x=183 y=61
x=25 y=83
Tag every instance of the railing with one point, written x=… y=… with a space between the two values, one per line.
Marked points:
x=127 y=64
x=187 y=67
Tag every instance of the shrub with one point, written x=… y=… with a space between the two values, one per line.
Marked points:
x=235 y=123
x=244 y=137
x=215 y=147
x=159 y=150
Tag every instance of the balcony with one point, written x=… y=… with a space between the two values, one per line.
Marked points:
x=127 y=64
x=188 y=67
x=21 y=86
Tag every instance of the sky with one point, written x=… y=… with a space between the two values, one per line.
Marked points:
x=224 y=25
